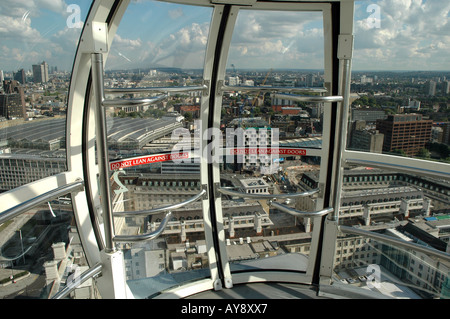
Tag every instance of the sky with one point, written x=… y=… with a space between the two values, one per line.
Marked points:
x=389 y=35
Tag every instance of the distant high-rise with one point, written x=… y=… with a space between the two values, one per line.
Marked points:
x=446 y=87
x=2 y=77
x=406 y=132
x=40 y=72
x=234 y=80
x=445 y=132
x=431 y=88
x=12 y=103
x=20 y=76
x=310 y=80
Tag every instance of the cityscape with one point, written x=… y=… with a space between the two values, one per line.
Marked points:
x=404 y=113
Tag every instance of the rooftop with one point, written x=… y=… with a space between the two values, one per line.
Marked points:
x=121 y=131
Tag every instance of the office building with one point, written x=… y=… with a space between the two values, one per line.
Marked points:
x=431 y=88
x=12 y=102
x=40 y=73
x=405 y=132
x=370 y=115
x=445 y=87
x=20 y=76
x=365 y=139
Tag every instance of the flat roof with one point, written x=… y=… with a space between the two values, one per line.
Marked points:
x=307 y=142
x=119 y=129
x=253 y=182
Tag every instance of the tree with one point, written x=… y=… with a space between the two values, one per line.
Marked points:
x=423 y=153
x=399 y=152
x=188 y=116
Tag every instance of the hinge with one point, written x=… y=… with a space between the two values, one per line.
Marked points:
x=321 y=190
x=205 y=188
x=345 y=46
x=217 y=194
x=95 y=38
x=219 y=88
x=207 y=84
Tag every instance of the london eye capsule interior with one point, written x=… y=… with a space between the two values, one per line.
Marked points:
x=224 y=149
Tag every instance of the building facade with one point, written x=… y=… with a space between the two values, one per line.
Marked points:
x=40 y=73
x=370 y=115
x=364 y=139
x=20 y=76
x=12 y=102
x=405 y=132
x=20 y=169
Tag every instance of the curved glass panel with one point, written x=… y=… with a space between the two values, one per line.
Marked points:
x=37 y=53
x=151 y=146
x=270 y=136
x=260 y=236
x=41 y=252
x=168 y=49
x=276 y=49
x=390 y=270
x=403 y=205
x=400 y=85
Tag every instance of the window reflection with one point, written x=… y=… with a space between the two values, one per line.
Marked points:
x=167 y=52
x=391 y=270
x=398 y=95
x=268 y=50
x=38 y=48
x=276 y=49
x=403 y=205
x=371 y=195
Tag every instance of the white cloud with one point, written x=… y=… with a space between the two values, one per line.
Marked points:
x=123 y=42
x=413 y=34
x=176 y=13
x=184 y=48
x=277 y=39
x=18 y=8
x=15 y=28
x=36 y=30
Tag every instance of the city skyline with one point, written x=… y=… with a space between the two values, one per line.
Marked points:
x=389 y=35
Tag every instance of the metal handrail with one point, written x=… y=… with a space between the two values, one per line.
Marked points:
x=162 y=225
x=226 y=88
x=129 y=102
x=228 y=191
x=76 y=282
x=298 y=213
x=102 y=150
x=395 y=241
x=375 y=161
x=161 y=209
x=304 y=98
x=29 y=204
x=155 y=89
x=147 y=236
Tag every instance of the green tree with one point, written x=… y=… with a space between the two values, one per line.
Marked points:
x=423 y=153
x=188 y=116
x=399 y=152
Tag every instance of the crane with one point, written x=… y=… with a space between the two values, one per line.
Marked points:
x=263 y=82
